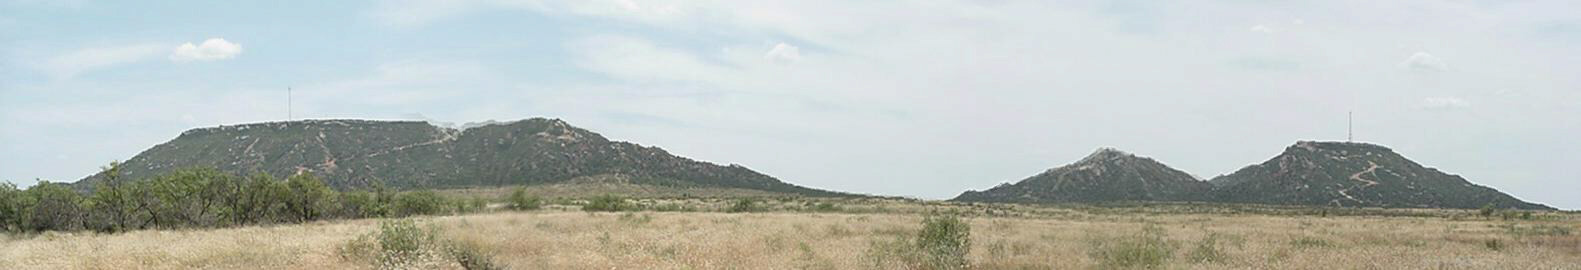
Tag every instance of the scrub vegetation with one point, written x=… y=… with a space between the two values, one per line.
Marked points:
x=824 y=233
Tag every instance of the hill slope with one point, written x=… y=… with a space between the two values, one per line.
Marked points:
x=405 y=154
x=1106 y=175
x=1354 y=175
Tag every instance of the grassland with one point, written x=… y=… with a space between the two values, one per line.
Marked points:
x=866 y=234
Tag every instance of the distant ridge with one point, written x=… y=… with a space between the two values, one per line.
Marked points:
x=1106 y=175
x=1349 y=174
x=414 y=154
x=1340 y=174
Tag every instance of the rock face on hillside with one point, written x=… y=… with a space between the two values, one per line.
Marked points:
x=404 y=154
x=1354 y=175
x=1106 y=175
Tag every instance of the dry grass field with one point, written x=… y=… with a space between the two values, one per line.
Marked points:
x=864 y=235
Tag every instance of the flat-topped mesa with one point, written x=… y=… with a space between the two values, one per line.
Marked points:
x=351 y=153
x=1105 y=175
x=298 y=124
x=1331 y=146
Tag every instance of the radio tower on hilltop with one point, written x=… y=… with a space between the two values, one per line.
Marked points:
x=1350 y=126
x=288 y=115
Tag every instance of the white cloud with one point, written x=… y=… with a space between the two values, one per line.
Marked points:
x=210 y=50
x=84 y=60
x=1262 y=29
x=1444 y=103
x=1424 y=61
x=783 y=53
x=640 y=60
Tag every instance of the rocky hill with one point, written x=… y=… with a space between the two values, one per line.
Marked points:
x=1354 y=175
x=405 y=154
x=1105 y=175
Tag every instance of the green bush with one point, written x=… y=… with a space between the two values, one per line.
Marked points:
x=403 y=238
x=471 y=256
x=944 y=242
x=403 y=244
x=11 y=207
x=360 y=204
x=309 y=198
x=469 y=205
x=825 y=207
x=520 y=201
x=1147 y=249
x=744 y=205
x=607 y=203
x=1310 y=242
x=51 y=207
x=422 y=202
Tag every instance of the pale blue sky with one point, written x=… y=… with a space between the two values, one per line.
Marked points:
x=913 y=98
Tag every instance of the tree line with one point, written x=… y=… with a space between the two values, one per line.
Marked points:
x=206 y=198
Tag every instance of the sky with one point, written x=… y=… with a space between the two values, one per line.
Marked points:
x=912 y=98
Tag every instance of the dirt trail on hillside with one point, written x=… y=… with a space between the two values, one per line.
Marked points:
x=1371 y=168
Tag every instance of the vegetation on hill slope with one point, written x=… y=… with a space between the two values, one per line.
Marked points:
x=1106 y=175
x=402 y=155
x=1308 y=173
x=1355 y=174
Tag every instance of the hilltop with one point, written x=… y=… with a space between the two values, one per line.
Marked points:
x=411 y=154
x=1105 y=175
x=1350 y=174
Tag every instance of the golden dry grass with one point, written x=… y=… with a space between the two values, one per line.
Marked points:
x=786 y=240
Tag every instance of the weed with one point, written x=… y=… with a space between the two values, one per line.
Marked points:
x=1310 y=242
x=1208 y=250
x=944 y=241
x=1147 y=249
x=635 y=219
x=402 y=244
x=607 y=203
x=744 y=205
x=1536 y=230
x=520 y=201
x=1493 y=244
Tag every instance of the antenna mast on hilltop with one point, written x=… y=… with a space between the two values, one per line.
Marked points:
x=1350 y=126
x=288 y=115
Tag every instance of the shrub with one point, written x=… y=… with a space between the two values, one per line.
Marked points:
x=309 y=198
x=403 y=244
x=472 y=205
x=606 y=203
x=403 y=237
x=11 y=207
x=360 y=204
x=1148 y=249
x=423 y=202
x=1536 y=230
x=894 y=254
x=744 y=205
x=944 y=241
x=825 y=207
x=1493 y=244
x=1310 y=242
x=1208 y=250
x=520 y=201
x=471 y=256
